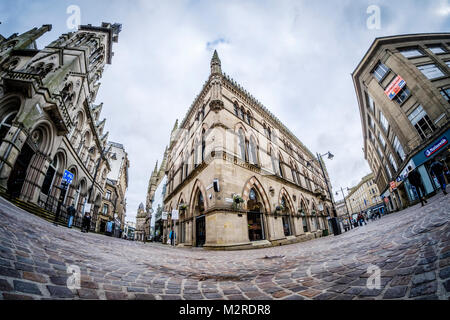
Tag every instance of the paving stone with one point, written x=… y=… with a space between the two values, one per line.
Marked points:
x=114 y=295
x=423 y=277
x=395 y=293
x=444 y=273
x=26 y=287
x=60 y=292
x=423 y=289
x=310 y=293
x=447 y=285
x=34 y=277
x=12 y=296
x=87 y=294
x=170 y=297
x=5 y=286
x=143 y=296
x=61 y=281
x=7 y=272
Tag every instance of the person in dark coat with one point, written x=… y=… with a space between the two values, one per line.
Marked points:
x=415 y=180
x=71 y=212
x=86 y=222
x=437 y=169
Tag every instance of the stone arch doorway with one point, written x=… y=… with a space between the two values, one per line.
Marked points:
x=181 y=237
x=200 y=219
x=255 y=210
x=27 y=170
x=19 y=171
x=286 y=217
x=304 y=213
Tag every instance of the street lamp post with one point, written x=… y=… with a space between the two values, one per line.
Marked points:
x=348 y=211
x=319 y=159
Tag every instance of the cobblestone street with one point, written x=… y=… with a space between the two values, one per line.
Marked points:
x=412 y=249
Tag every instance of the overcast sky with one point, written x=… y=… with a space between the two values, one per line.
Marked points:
x=296 y=57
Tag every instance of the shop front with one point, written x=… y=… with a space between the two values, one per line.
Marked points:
x=439 y=149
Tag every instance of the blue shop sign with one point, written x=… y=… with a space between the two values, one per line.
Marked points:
x=433 y=149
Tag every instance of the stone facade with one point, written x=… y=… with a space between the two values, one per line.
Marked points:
x=114 y=202
x=230 y=147
x=142 y=217
x=403 y=90
x=48 y=120
x=364 y=197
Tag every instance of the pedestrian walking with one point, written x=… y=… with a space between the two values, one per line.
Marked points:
x=86 y=223
x=416 y=181
x=437 y=169
x=172 y=237
x=71 y=211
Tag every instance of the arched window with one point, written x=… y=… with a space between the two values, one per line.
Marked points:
x=274 y=162
x=200 y=203
x=196 y=153
x=48 y=180
x=203 y=145
x=202 y=113
x=249 y=118
x=294 y=174
x=252 y=152
x=286 y=217
x=242 y=145
x=280 y=166
x=241 y=113
x=6 y=123
x=236 y=109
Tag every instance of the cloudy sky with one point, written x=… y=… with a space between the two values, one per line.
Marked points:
x=296 y=57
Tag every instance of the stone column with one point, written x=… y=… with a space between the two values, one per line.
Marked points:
x=9 y=151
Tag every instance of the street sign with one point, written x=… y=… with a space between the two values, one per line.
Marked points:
x=164 y=216
x=67 y=177
x=87 y=207
x=175 y=214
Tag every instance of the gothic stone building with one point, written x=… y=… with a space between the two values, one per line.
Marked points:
x=114 y=201
x=142 y=217
x=238 y=177
x=48 y=120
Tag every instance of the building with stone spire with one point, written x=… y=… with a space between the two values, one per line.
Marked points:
x=140 y=234
x=237 y=177
x=49 y=121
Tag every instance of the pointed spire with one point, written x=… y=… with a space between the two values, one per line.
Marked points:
x=175 y=127
x=156 y=166
x=215 y=63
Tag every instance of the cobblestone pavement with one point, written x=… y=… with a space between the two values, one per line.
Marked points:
x=412 y=249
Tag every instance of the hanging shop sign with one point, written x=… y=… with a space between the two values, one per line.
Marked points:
x=175 y=215
x=438 y=146
x=393 y=185
x=394 y=88
x=164 y=216
x=433 y=149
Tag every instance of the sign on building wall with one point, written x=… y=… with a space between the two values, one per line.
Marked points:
x=435 y=148
x=393 y=185
x=164 y=216
x=67 y=177
x=87 y=207
x=394 y=88
x=175 y=215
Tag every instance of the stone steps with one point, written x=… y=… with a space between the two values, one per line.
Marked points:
x=31 y=208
